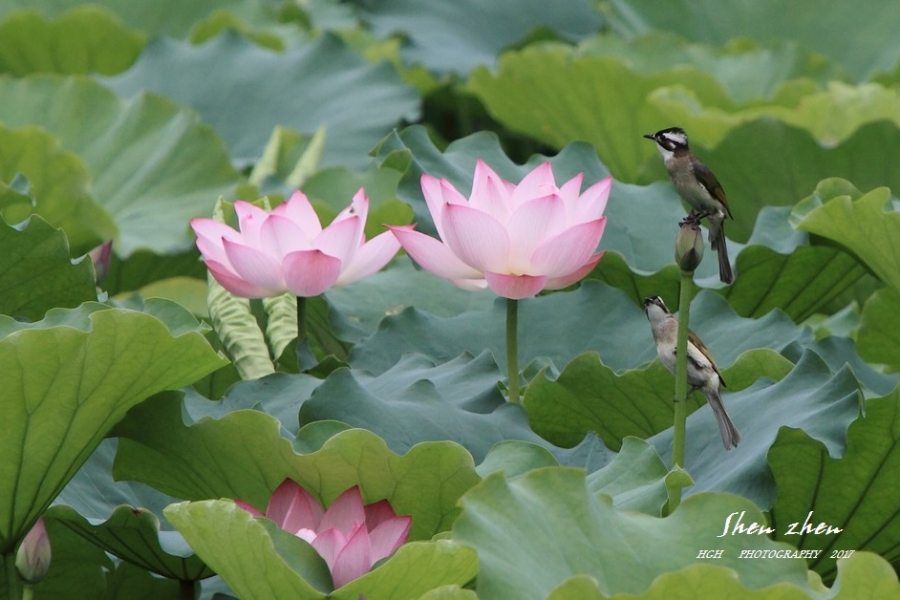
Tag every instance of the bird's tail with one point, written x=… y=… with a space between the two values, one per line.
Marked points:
x=717 y=241
x=730 y=435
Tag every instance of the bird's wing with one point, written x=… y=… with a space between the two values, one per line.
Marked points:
x=694 y=339
x=709 y=180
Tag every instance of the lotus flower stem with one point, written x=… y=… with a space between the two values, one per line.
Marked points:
x=512 y=347
x=305 y=358
x=681 y=384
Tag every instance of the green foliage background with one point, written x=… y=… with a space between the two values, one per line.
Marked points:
x=127 y=428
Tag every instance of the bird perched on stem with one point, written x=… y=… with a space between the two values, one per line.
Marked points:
x=699 y=187
x=702 y=372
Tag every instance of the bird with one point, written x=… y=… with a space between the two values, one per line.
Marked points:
x=702 y=372
x=699 y=187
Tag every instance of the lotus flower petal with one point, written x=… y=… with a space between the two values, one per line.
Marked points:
x=354 y=559
x=533 y=222
x=346 y=512
x=556 y=283
x=299 y=210
x=476 y=237
x=310 y=272
x=341 y=239
x=569 y=250
x=432 y=255
x=254 y=266
x=293 y=508
x=489 y=193
x=515 y=287
x=370 y=258
x=388 y=536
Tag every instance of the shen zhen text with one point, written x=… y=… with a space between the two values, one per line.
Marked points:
x=734 y=525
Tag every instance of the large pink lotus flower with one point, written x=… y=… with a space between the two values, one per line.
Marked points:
x=287 y=249
x=350 y=537
x=515 y=239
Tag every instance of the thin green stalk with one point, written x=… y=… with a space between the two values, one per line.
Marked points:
x=14 y=587
x=681 y=383
x=187 y=590
x=305 y=358
x=512 y=347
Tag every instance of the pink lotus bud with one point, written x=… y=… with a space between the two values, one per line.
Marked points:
x=33 y=557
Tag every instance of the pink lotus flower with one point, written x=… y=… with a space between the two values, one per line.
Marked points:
x=515 y=239
x=349 y=536
x=287 y=249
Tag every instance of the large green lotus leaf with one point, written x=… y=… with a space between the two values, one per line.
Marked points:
x=780 y=268
x=86 y=39
x=537 y=530
x=747 y=69
x=69 y=379
x=589 y=396
x=514 y=457
x=154 y=165
x=700 y=580
x=878 y=324
x=144 y=267
x=855 y=493
x=363 y=305
x=838 y=352
x=835 y=32
x=59 y=183
x=810 y=397
x=37 y=273
x=320 y=84
x=636 y=479
x=446 y=38
x=164 y=17
x=830 y=116
x=869 y=227
x=275 y=564
x=417 y=400
x=124 y=518
x=242 y=455
x=557 y=97
x=254 y=557
x=552 y=327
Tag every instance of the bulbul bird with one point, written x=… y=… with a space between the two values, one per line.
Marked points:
x=697 y=186
x=702 y=372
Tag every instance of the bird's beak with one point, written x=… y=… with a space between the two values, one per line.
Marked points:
x=649 y=136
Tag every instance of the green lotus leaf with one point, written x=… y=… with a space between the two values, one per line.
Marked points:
x=694 y=581
x=358 y=309
x=242 y=455
x=748 y=70
x=598 y=99
x=838 y=352
x=85 y=39
x=166 y=17
x=445 y=38
x=58 y=182
x=37 y=273
x=780 y=269
x=154 y=165
x=534 y=532
x=879 y=320
x=868 y=227
x=323 y=84
x=124 y=519
x=66 y=388
x=418 y=400
x=514 y=457
x=636 y=479
x=854 y=493
x=834 y=33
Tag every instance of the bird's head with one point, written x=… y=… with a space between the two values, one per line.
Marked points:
x=670 y=140
x=655 y=308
